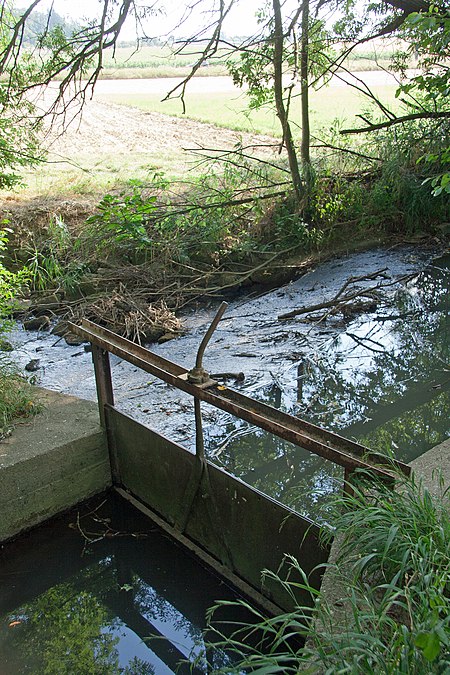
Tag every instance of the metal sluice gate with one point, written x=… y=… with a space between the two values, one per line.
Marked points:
x=231 y=526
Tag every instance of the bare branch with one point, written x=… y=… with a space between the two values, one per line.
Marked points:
x=397 y=120
x=211 y=48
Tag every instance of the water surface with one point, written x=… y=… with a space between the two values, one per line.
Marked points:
x=380 y=376
x=104 y=591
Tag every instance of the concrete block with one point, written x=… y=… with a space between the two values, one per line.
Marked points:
x=51 y=462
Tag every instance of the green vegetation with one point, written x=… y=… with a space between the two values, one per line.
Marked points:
x=151 y=61
x=393 y=613
x=231 y=110
x=10 y=282
x=16 y=397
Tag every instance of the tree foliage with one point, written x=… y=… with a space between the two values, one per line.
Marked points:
x=294 y=45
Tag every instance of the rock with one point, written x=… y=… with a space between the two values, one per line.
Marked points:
x=166 y=337
x=227 y=280
x=20 y=308
x=443 y=228
x=272 y=276
x=46 y=305
x=48 y=300
x=73 y=340
x=42 y=310
x=37 y=323
x=61 y=329
x=33 y=366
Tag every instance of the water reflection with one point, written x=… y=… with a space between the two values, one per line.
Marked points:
x=383 y=380
x=131 y=602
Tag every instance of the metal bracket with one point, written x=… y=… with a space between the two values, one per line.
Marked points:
x=202 y=381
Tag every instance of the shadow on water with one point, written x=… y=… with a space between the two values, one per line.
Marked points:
x=104 y=592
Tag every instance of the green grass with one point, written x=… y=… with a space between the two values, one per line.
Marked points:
x=17 y=398
x=394 y=575
x=230 y=110
x=98 y=174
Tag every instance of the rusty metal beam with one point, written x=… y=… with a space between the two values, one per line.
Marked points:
x=103 y=381
x=326 y=444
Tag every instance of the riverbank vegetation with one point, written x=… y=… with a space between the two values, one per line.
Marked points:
x=387 y=609
x=16 y=396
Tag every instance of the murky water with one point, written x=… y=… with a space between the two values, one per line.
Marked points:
x=136 y=604
x=104 y=592
x=381 y=376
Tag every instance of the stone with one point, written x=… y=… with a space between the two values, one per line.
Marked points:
x=73 y=340
x=166 y=337
x=37 y=323
x=33 y=365
x=61 y=329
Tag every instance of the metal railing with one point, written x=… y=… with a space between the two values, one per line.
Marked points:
x=331 y=446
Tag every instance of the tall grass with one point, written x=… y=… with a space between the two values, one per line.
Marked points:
x=394 y=571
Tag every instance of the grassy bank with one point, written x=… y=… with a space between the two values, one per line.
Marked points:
x=17 y=397
x=393 y=615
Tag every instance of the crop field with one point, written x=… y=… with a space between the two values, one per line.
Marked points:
x=128 y=132
x=231 y=109
x=130 y=62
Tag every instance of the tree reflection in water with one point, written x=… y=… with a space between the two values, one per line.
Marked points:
x=383 y=380
x=131 y=604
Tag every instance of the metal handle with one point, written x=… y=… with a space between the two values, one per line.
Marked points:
x=208 y=334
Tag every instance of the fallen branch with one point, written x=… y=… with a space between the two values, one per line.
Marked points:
x=339 y=298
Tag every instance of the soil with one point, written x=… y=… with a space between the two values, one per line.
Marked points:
x=106 y=128
x=109 y=134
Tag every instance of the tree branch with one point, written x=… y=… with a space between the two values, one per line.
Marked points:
x=398 y=120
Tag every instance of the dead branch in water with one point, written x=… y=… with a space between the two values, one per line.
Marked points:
x=340 y=301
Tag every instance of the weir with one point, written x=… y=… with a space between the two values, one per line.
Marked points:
x=232 y=527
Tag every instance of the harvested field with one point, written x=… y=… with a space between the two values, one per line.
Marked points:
x=116 y=139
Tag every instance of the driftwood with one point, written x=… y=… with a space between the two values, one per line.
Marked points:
x=121 y=312
x=139 y=301
x=341 y=299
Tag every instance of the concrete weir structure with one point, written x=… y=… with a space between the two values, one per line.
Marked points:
x=63 y=456
x=51 y=462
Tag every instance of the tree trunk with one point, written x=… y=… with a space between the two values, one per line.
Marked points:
x=288 y=141
x=306 y=134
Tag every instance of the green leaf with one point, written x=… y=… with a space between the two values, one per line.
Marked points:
x=430 y=645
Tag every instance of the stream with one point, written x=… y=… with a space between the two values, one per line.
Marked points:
x=381 y=376
x=116 y=595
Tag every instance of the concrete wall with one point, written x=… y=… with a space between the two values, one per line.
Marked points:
x=51 y=462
